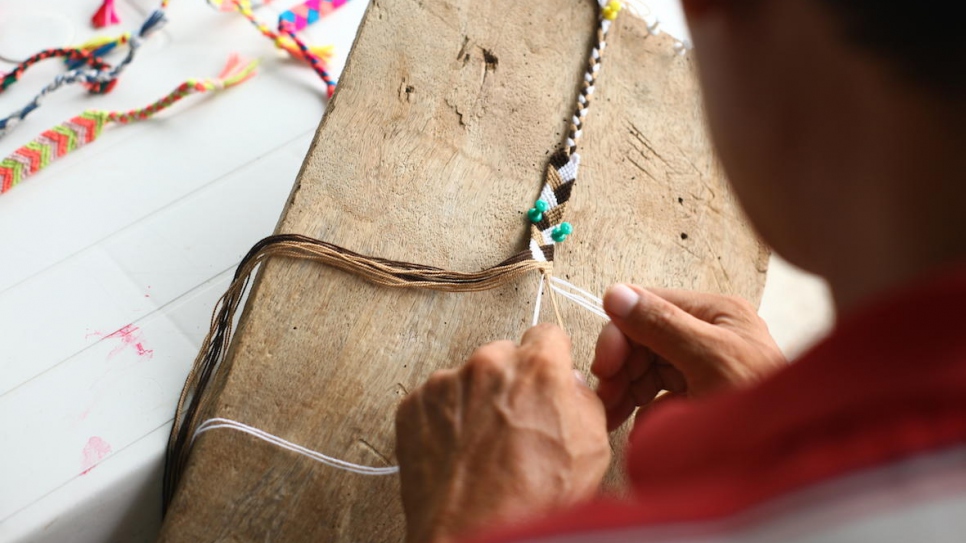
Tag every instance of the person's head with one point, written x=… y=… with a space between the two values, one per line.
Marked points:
x=818 y=107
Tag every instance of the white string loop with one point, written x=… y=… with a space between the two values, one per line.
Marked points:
x=218 y=422
x=575 y=294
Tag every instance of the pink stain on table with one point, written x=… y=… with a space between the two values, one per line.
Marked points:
x=131 y=337
x=95 y=451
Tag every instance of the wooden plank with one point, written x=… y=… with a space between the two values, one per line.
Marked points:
x=431 y=151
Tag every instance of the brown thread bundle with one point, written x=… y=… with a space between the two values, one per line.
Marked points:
x=383 y=272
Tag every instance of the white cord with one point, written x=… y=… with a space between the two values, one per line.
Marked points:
x=575 y=294
x=216 y=423
x=596 y=310
x=575 y=288
x=539 y=302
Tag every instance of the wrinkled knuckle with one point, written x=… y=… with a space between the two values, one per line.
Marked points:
x=545 y=327
x=604 y=450
x=552 y=331
x=659 y=318
x=741 y=306
x=404 y=412
x=497 y=349
x=540 y=359
x=760 y=323
x=437 y=380
x=564 y=339
x=487 y=360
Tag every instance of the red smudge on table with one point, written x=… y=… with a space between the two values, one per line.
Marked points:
x=95 y=451
x=131 y=337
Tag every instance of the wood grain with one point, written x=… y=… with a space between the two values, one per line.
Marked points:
x=431 y=151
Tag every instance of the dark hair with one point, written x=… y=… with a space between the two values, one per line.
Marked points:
x=925 y=41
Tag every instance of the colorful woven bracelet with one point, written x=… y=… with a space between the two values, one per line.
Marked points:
x=89 y=76
x=308 y=12
x=75 y=57
x=87 y=126
x=285 y=39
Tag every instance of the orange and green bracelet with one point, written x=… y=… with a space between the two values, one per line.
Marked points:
x=86 y=127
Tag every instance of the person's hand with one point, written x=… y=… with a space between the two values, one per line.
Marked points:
x=510 y=435
x=680 y=341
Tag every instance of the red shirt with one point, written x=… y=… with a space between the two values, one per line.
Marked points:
x=877 y=410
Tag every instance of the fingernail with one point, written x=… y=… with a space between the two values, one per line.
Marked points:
x=580 y=377
x=620 y=300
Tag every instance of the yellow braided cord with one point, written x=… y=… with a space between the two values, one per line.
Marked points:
x=236 y=72
x=287 y=44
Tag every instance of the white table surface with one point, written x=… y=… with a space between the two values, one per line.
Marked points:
x=112 y=258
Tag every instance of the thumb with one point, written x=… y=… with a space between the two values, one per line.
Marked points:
x=667 y=330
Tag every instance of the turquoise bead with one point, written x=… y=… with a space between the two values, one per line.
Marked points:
x=536 y=212
x=561 y=232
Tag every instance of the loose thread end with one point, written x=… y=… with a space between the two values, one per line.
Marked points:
x=155 y=22
x=237 y=70
x=546 y=281
x=101 y=45
x=324 y=52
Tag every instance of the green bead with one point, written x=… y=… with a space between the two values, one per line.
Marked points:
x=561 y=232
x=541 y=206
x=534 y=215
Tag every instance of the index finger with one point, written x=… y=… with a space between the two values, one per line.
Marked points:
x=550 y=342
